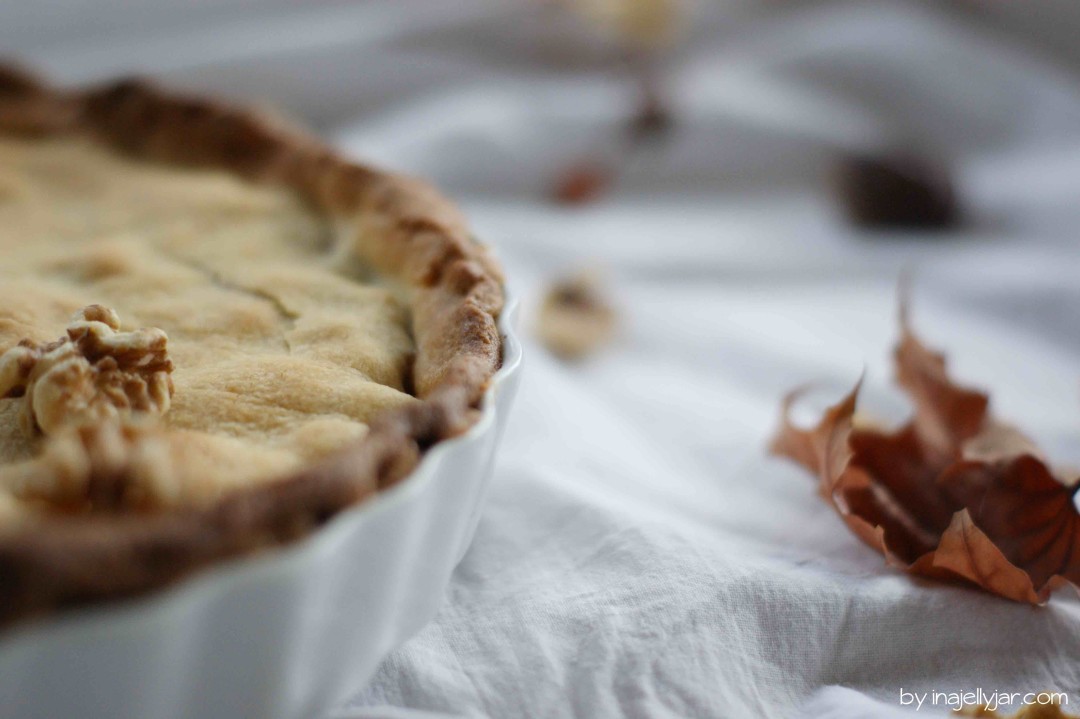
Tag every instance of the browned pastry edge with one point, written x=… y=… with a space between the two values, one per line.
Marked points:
x=401 y=226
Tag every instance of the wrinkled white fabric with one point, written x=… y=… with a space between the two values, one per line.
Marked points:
x=640 y=555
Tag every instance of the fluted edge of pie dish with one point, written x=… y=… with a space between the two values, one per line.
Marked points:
x=401 y=227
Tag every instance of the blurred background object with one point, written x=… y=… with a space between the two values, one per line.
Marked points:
x=900 y=192
x=644 y=24
x=576 y=318
x=641 y=30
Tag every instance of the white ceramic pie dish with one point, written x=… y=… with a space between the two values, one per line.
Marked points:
x=284 y=635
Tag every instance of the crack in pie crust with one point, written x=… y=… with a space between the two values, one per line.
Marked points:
x=254 y=334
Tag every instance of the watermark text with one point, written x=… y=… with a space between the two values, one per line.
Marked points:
x=979 y=697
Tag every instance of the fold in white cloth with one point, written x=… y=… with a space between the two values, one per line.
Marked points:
x=640 y=555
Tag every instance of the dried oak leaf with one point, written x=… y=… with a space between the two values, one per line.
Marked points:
x=953 y=494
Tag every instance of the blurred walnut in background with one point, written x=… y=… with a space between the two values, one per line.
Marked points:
x=576 y=318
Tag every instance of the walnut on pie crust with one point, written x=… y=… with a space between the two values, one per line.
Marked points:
x=326 y=324
x=95 y=374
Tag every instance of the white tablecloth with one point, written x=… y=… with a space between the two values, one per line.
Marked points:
x=640 y=554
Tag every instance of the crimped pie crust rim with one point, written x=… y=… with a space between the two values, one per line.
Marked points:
x=403 y=228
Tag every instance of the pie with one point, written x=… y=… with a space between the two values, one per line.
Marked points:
x=215 y=334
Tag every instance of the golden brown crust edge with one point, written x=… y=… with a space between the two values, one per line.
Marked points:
x=401 y=226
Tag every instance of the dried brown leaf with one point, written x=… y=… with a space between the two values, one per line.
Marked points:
x=951 y=495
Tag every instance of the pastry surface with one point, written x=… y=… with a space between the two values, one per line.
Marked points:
x=282 y=351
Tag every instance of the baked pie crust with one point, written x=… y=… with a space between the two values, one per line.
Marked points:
x=109 y=416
